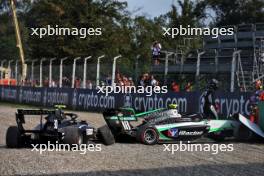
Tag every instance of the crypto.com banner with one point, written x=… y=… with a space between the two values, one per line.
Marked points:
x=90 y=100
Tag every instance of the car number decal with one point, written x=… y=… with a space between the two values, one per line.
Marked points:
x=126 y=125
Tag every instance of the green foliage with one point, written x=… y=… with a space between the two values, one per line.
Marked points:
x=8 y=48
x=122 y=33
x=237 y=11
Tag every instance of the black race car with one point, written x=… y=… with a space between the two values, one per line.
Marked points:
x=54 y=126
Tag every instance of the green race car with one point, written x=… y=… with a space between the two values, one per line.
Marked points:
x=166 y=125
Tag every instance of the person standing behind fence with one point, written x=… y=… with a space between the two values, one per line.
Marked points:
x=153 y=81
x=188 y=87
x=142 y=81
x=156 y=47
x=77 y=83
x=175 y=87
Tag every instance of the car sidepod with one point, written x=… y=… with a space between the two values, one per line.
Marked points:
x=220 y=129
x=86 y=131
x=186 y=131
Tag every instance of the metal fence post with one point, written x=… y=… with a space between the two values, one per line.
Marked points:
x=61 y=70
x=166 y=68
x=32 y=71
x=84 y=71
x=216 y=61
x=114 y=69
x=233 y=70
x=136 y=68
x=16 y=70
x=40 y=71
x=73 y=70
x=198 y=64
x=9 y=67
x=50 y=71
x=98 y=70
x=2 y=65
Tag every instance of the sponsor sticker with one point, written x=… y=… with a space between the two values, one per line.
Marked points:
x=173 y=132
x=89 y=132
x=190 y=133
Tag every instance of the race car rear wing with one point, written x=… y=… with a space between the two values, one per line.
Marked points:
x=35 y=112
x=128 y=114
x=148 y=112
x=20 y=117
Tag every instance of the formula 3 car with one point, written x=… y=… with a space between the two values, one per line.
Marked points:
x=166 y=125
x=252 y=126
x=55 y=125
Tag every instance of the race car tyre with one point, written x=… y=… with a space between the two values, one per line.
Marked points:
x=218 y=137
x=243 y=133
x=106 y=135
x=13 y=137
x=147 y=135
x=73 y=135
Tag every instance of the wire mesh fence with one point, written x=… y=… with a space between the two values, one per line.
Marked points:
x=102 y=72
x=61 y=72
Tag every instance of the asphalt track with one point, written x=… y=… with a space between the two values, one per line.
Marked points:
x=126 y=158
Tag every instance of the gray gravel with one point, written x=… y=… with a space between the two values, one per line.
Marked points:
x=125 y=159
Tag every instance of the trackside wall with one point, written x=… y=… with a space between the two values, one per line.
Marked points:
x=90 y=100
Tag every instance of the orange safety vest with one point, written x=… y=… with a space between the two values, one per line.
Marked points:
x=4 y=82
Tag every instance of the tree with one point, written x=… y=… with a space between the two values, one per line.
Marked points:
x=8 y=42
x=237 y=11
x=77 y=14
x=189 y=14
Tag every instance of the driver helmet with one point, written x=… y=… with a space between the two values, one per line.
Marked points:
x=213 y=84
x=58 y=113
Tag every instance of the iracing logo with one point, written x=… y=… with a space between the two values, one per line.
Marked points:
x=173 y=132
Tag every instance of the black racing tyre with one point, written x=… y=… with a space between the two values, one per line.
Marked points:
x=218 y=137
x=106 y=135
x=73 y=135
x=13 y=137
x=147 y=135
x=243 y=133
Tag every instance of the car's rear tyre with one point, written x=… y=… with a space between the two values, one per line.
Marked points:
x=218 y=137
x=106 y=135
x=147 y=135
x=13 y=137
x=243 y=133
x=73 y=135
